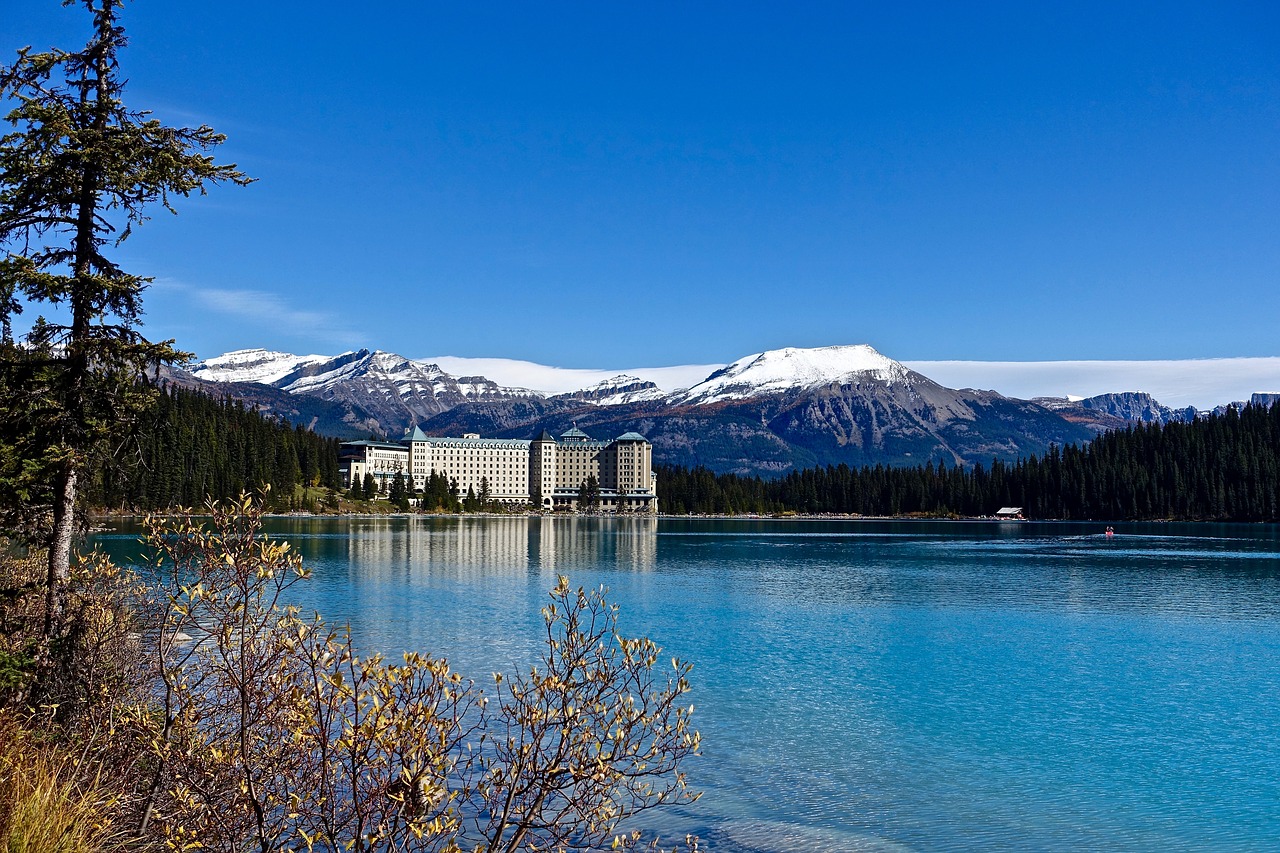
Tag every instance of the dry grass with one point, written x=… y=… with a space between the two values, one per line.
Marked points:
x=46 y=803
x=66 y=768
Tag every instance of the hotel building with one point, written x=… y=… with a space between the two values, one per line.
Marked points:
x=546 y=472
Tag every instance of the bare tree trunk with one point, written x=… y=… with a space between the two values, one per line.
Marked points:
x=59 y=576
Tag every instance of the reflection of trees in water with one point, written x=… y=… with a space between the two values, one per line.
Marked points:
x=473 y=547
x=289 y=736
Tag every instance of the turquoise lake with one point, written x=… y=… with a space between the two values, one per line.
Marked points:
x=885 y=685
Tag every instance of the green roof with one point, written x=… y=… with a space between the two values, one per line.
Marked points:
x=394 y=445
x=631 y=436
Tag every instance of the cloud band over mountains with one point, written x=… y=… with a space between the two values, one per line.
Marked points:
x=1203 y=383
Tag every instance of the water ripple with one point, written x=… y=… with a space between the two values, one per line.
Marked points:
x=883 y=686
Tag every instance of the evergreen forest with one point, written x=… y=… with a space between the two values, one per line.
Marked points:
x=192 y=448
x=1222 y=467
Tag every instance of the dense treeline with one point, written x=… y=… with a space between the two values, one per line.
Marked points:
x=1220 y=467
x=193 y=447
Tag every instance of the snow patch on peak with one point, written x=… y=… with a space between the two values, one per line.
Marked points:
x=481 y=387
x=617 y=391
x=618 y=381
x=253 y=365
x=386 y=369
x=791 y=369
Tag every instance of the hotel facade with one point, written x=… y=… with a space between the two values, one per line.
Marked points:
x=545 y=472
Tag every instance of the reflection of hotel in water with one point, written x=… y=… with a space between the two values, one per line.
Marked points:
x=479 y=547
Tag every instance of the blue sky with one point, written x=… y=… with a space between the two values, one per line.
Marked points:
x=598 y=185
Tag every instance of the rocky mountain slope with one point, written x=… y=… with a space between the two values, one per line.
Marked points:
x=383 y=392
x=618 y=391
x=765 y=413
x=1115 y=411
x=797 y=408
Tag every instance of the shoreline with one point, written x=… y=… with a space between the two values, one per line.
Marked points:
x=101 y=515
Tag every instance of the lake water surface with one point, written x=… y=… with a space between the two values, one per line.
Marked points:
x=886 y=685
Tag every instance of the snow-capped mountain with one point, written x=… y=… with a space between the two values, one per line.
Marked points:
x=390 y=389
x=766 y=413
x=254 y=365
x=359 y=376
x=790 y=370
x=312 y=374
x=795 y=408
x=617 y=391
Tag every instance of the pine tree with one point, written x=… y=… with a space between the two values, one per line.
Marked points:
x=589 y=494
x=77 y=173
x=399 y=494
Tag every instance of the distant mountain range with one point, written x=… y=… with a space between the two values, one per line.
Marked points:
x=766 y=413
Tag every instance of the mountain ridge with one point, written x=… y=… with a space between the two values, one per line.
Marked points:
x=765 y=413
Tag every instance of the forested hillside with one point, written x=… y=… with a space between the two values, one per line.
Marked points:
x=1220 y=467
x=193 y=447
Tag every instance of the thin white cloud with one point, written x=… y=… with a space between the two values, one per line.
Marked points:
x=266 y=309
x=561 y=380
x=1203 y=383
